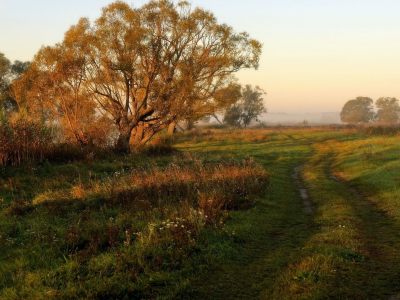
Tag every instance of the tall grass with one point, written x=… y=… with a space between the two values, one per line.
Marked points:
x=25 y=140
x=22 y=140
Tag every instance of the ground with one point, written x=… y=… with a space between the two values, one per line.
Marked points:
x=326 y=225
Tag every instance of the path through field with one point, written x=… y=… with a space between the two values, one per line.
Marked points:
x=314 y=236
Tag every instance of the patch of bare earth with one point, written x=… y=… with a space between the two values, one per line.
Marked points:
x=307 y=206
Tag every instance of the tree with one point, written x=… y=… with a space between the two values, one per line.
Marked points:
x=54 y=90
x=9 y=73
x=4 y=79
x=18 y=68
x=247 y=109
x=145 y=68
x=222 y=99
x=388 y=110
x=358 y=110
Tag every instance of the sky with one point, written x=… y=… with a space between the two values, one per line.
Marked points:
x=317 y=54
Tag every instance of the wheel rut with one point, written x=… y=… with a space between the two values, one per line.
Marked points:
x=307 y=205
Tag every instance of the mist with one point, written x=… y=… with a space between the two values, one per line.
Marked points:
x=294 y=119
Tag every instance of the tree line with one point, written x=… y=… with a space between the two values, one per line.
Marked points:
x=135 y=72
x=361 y=111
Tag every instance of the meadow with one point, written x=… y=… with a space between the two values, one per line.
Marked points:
x=282 y=213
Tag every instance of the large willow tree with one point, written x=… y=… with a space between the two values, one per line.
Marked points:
x=144 y=68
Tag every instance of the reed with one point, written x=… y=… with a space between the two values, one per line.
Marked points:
x=23 y=140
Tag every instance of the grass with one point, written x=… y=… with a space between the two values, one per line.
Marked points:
x=136 y=227
x=134 y=233
x=346 y=249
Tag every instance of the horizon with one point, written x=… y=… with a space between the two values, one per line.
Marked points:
x=316 y=56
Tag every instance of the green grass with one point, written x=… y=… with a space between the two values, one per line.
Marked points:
x=134 y=228
x=105 y=229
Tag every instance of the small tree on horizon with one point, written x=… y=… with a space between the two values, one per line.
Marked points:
x=247 y=108
x=359 y=110
x=388 y=110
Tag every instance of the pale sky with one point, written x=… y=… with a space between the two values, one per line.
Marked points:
x=317 y=54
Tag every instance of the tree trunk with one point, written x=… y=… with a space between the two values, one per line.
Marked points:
x=171 y=128
x=215 y=116
x=143 y=133
x=138 y=135
x=189 y=124
x=122 y=146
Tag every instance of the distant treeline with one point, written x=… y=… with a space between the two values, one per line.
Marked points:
x=361 y=111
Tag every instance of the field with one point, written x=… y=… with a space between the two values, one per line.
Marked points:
x=290 y=213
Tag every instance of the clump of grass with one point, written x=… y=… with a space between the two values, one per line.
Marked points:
x=368 y=156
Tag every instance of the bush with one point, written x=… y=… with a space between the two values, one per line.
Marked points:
x=380 y=129
x=23 y=140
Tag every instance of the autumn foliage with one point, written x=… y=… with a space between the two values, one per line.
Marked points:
x=134 y=71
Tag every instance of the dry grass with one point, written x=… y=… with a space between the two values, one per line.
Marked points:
x=22 y=140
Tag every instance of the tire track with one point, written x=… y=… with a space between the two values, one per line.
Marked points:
x=307 y=206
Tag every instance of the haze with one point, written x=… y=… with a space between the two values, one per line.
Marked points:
x=316 y=55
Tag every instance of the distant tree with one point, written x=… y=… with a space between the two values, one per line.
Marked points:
x=358 y=110
x=388 y=110
x=247 y=108
x=223 y=98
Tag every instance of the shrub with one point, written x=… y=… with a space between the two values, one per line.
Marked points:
x=23 y=140
x=380 y=129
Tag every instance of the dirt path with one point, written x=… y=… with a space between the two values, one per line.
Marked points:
x=307 y=206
